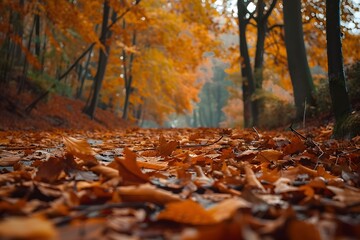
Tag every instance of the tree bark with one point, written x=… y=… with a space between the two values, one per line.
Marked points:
x=128 y=77
x=248 y=86
x=338 y=91
x=299 y=70
x=103 y=59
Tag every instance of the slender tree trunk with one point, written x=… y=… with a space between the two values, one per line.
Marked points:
x=103 y=58
x=128 y=77
x=26 y=64
x=84 y=74
x=338 y=91
x=248 y=86
x=301 y=79
x=37 y=35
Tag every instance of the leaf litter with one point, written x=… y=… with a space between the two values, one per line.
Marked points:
x=179 y=184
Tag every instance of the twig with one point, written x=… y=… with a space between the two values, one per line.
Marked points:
x=297 y=133
x=257 y=133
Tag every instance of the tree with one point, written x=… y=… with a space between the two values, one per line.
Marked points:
x=103 y=58
x=299 y=70
x=337 y=83
x=248 y=83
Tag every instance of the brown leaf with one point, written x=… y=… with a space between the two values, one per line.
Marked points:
x=50 y=170
x=269 y=155
x=299 y=230
x=251 y=179
x=27 y=228
x=296 y=145
x=105 y=171
x=166 y=148
x=9 y=161
x=80 y=149
x=129 y=170
x=147 y=193
x=227 y=208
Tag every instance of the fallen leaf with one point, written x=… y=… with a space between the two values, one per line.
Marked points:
x=80 y=149
x=299 y=230
x=27 y=228
x=251 y=179
x=166 y=148
x=269 y=155
x=105 y=171
x=9 y=161
x=129 y=170
x=227 y=208
x=188 y=212
x=147 y=193
x=50 y=170
x=296 y=145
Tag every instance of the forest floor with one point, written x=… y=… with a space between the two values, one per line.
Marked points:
x=57 y=112
x=178 y=184
x=118 y=182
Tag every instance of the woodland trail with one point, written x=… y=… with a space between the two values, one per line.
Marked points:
x=179 y=184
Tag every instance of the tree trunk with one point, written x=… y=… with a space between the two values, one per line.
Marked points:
x=84 y=74
x=103 y=58
x=128 y=77
x=337 y=83
x=301 y=79
x=248 y=86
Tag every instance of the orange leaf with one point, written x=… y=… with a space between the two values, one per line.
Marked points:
x=50 y=170
x=269 y=155
x=27 y=228
x=166 y=148
x=251 y=179
x=129 y=170
x=227 y=208
x=296 y=145
x=106 y=171
x=188 y=212
x=80 y=149
x=147 y=193
x=298 y=230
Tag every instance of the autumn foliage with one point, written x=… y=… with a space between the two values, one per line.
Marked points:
x=187 y=184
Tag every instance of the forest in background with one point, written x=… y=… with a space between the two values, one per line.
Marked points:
x=176 y=63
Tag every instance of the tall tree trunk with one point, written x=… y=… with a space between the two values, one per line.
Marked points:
x=37 y=35
x=84 y=73
x=103 y=59
x=248 y=86
x=301 y=79
x=128 y=77
x=337 y=83
x=261 y=20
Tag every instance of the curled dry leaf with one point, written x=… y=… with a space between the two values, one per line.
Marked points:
x=251 y=179
x=227 y=208
x=9 y=160
x=129 y=170
x=27 y=228
x=147 y=193
x=81 y=149
x=105 y=171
